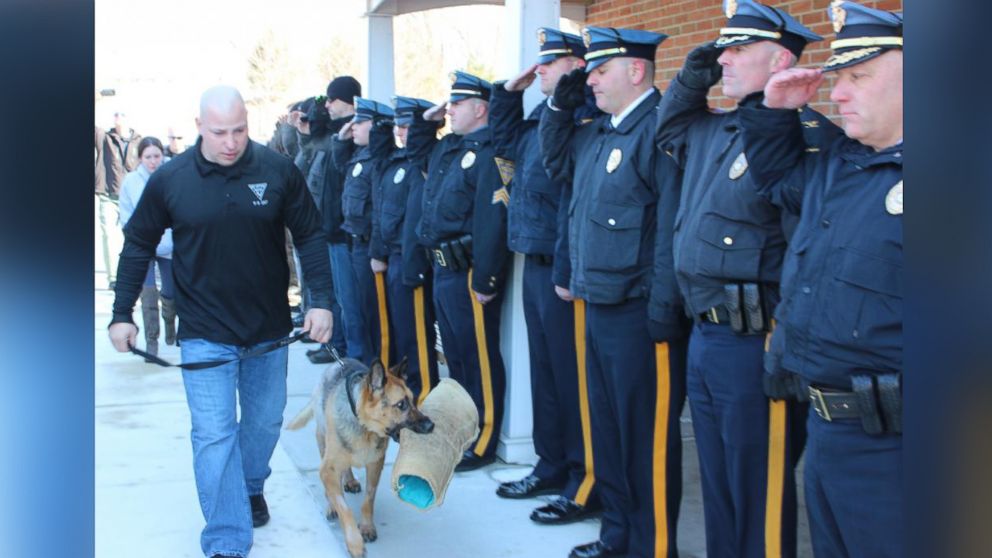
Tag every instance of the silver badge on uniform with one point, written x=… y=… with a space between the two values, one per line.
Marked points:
x=893 y=200
x=399 y=176
x=357 y=170
x=614 y=159
x=739 y=167
x=468 y=159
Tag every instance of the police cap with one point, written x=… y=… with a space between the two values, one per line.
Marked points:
x=861 y=33
x=604 y=43
x=556 y=44
x=749 y=22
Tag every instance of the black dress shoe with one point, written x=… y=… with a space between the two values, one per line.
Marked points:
x=594 y=550
x=471 y=462
x=560 y=511
x=259 y=510
x=322 y=356
x=528 y=487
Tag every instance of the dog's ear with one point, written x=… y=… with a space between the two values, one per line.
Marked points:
x=400 y=369
x=377 y=376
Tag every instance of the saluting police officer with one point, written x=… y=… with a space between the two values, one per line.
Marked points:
x=728 y=249
x=397 y=193
x=636 y=387
x=463 y=225
x=562 y=433
x=353 y=152
x=840 y=319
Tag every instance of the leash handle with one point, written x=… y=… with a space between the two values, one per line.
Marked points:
x=257 y=351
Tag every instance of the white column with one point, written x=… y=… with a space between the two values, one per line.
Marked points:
x=523 y=17
x=381 y=84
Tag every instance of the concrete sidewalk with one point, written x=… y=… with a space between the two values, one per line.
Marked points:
x=146 y=503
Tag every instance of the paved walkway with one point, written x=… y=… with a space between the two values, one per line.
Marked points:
x=146 y=502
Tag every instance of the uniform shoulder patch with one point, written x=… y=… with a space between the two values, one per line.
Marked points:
x=501 y=196
x=506 y=168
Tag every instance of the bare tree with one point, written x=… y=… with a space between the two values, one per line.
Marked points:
x=270 y=70
x=338 y=58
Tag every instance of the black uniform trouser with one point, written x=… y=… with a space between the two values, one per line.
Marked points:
x=562 y=429
x=854 y=490
x=368 y=326
x=636 y=392
x=411 y=319
x=748 y=446
x=470 y=339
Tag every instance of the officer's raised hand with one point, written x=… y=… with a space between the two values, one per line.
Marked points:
x=701 y=69
x=570 y=93
x=792 y=88
x=345 y=133
x=523 y=80
x=435 y=113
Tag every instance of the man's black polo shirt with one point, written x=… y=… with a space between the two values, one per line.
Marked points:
x=229 y=256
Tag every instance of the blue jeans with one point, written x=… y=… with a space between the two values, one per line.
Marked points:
x=346 y=293
x=231 y=458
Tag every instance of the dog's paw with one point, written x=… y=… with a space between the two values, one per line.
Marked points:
x=353 y=486
x=368 y=532
x=331 y=515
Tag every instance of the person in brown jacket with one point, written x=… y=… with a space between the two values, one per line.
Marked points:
x=116 y=155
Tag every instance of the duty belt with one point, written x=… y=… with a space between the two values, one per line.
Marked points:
x=876 y=399
x=830 y=405
x=744 y=308
x=363 y=238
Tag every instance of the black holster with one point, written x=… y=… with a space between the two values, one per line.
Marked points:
x=864 y=388
x=890 y=397
x=745 y=304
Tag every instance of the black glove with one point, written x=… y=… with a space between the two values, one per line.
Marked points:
x=701 y=69
x=570 y=93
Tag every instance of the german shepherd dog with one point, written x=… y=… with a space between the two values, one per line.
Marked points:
x=357 y=408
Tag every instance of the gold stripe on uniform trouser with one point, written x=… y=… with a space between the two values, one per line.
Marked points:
x=776 y=474
x=776 y=471
x=487 y=379
x=421 y=327
x=660 y=461
x=380 y=293
x=582 y=494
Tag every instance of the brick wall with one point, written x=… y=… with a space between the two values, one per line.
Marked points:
x=689 y=23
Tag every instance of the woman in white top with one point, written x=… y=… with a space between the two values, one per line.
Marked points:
x=150 y=156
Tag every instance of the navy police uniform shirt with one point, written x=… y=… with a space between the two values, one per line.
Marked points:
x=724 y=231
x=533 y=212
x=842 y=281
x=356 y=197
x=397 y=195
x=465 y=194
x=622 y=186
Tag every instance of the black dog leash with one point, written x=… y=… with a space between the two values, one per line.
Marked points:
x=257 y=351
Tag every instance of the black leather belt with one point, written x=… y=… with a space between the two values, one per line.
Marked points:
x=716 y=315
x=363 y=238
x=830 y=404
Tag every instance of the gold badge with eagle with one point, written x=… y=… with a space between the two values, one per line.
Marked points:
x=468 y=159
x=399 y=176
x=357 y=170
